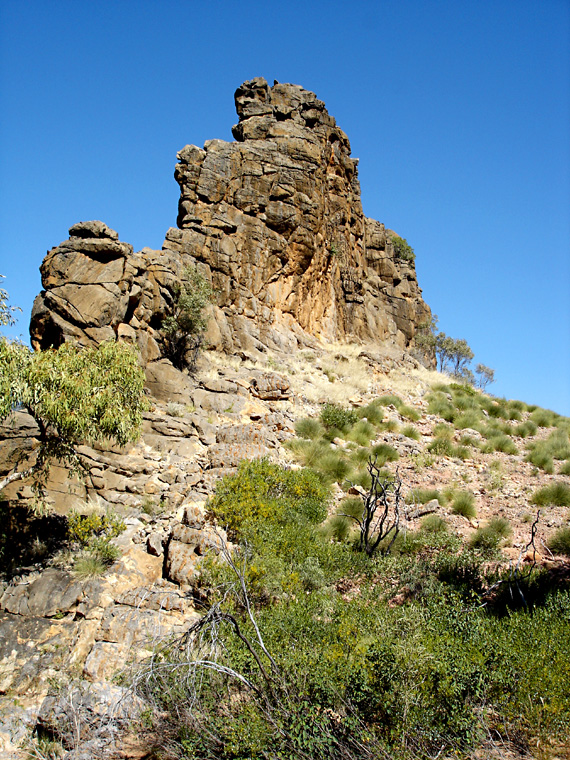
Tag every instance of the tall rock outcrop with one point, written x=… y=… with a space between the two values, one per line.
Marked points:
x=274 y=220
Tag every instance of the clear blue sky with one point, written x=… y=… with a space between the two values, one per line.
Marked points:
x=459 y=111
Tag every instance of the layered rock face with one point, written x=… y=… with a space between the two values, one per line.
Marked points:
x=273 y=220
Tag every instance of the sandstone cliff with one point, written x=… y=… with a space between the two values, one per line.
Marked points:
x=273 y=220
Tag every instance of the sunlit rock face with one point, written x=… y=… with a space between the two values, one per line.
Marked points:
x=274 y=220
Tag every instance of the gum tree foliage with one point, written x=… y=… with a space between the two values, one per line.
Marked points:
x=485 y=376
x=6 y=311
x=75 y=396
x=182 y=329
x=453 y=355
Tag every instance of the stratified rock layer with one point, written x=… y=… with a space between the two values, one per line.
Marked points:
x=277 y=219
x=273 y=220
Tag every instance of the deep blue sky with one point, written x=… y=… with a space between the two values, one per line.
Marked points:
x=459 y=111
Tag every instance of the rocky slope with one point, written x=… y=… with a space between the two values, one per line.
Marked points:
x=65 y=637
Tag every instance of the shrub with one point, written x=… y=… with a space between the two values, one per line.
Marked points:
x=441 y=446
x=182 y=328
x=307 y=451
x=465 y=402
x=360 y=455
x=461 y=452
x=89 y=565
x=502 y=443
x=334 y=466
x=86 y=528
x=175 y=410
x=463 y=503
x=439 y=404
x=338 y=528
x=556 y=494
x=334 y=416
x=540 y=457
x=104 y=550
x=468 y=440
x=409 y=412
x=543 y=417
x=264 y=491
x=559 y=542
x=565 y=468
x=542 y=453
x=402 y=250
x=390 y=400
x=470 y=419
x=558 y=445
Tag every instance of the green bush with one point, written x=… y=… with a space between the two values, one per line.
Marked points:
x=543 y=417
x=439 y=404
x=390 y=400
x=556 y=494
x=308 y=452
x=500 y=442
x=362 y=432
x=543 y=453
x=469 y=419
x=441 y=446
x=409 y=412
x=89 y=565
x=433 y=524
x=338 y=418
x=334 y=466
x=540 y=457
x=565 y=468
x=266 y=492
x=390 y=426
x=86 y=528
x=463 y=503
x=374 y=413
x=183 y=326
x=402 y=250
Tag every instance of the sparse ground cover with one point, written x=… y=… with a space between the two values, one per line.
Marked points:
x=410 y=653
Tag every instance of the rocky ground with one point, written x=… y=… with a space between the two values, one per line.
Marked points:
x=65 y=638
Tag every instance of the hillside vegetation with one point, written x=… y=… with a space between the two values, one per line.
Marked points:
x=451 y=637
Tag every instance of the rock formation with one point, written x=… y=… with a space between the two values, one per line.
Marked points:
x=273 y=220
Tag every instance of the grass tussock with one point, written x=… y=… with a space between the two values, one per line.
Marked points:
x=559 y=542
x=556 y=495
x=463 y=503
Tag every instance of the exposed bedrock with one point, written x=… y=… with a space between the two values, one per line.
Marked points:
x=274 y=220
